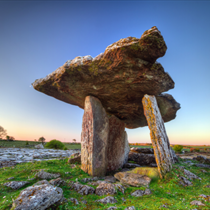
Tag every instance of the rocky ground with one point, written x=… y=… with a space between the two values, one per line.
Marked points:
x=13 y=156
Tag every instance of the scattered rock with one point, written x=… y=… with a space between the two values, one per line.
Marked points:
x=10 y=178
x=141 y=158
x=110 y=179
x=41 y=182
x=105 y=189
x=112 y=208
x=202 y=159
x=83 y=189
x=75 y=158
x=147 y=171
x=74 y=201
x=185 y=182
x=45 y=175
x=138 y=193
x=125 y=169
x=133 y=179
x=197 y=203
x=84 y=201
x=15 y=184
x=131 y=165
x=208 y=186
x=108 y=199
x=202 y=165
x=120 y=188
x=153 y=165
x=204 y=171
x=57 y=182
x=147 y=192
x=38 y=197
x=85 y=180
x=39 y=146
x=142 y=150
x=123 y=199
x=130 y=208
x=190 y=175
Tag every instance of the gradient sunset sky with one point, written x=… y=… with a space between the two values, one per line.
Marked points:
x=36 y=37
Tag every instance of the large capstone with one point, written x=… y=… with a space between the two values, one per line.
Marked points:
x=119 y=78
x=160 y=141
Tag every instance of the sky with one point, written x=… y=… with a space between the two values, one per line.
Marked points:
x=36 y=37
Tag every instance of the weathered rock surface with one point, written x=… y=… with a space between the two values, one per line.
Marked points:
x=147 y=171
x=141 y=158
x=39 y=146
x=185 y=182
x=159 y=138
x=75 y=158
x=38 y=197
x=117 y=146
x=202 y=159
x=105 y=189
x=45 y=175
x=191 y=175
x=142 y=150
x=15 y=184
x=202 y=165
x=138 y=193
x=130 y=208
x=12 y=156
x=108 y=199
x=57 y=182
x=131 y=165
x=197 y=203
x=119 y=78
x=110 y=179
x=132 y=179
x=83 y=189
x=95 y=132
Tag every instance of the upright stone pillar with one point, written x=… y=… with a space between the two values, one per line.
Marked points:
x=118 y=148
x=160 y=142
x=95 y=131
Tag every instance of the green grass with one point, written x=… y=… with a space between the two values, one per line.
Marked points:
x=31 y=144
x=164 y=192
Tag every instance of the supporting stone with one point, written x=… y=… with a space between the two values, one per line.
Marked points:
x=160 y=142
x=95 y=131
x=118 y=147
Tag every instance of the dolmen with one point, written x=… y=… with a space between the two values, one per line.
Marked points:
x=120 y=88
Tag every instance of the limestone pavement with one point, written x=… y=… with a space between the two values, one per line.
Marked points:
x=13 y=156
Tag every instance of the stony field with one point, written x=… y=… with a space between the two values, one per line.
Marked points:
x=178 y=190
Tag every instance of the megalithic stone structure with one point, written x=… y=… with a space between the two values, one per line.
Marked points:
x=159 y=138
x=95 y=131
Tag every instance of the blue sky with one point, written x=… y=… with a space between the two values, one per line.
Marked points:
x=36 y=37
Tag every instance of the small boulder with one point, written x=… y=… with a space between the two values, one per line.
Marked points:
x=83 y=189
x=39 y=146
x=45 y=175
x=132 y=179
x=138 y=193
x=131 y=165
x=142 y=158
x=15 y=184
x=75 y=158
x=57 y=182
x=142 y=150
x=202 y=165
x=130 y=208
x=41 y=182
x=110 y=179
x=105 y=189
x=191 y=175
x=202 y=159
x=74 y=200
x=184 y=182
x=112 y=208
x=120 y=188
x=108 y=199
x=197 y=203
x=38 y=197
